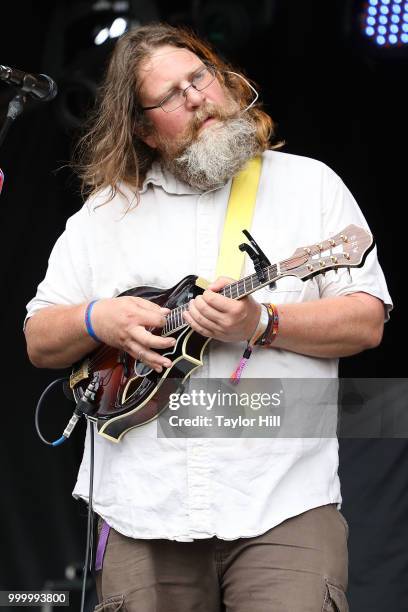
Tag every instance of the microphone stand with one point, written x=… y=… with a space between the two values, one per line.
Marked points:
x=15 y=108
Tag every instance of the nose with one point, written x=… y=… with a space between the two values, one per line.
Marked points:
x=193 y=97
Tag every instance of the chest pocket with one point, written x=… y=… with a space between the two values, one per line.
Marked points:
x=291 y=289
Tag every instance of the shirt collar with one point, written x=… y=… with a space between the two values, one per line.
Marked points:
x=159 y=176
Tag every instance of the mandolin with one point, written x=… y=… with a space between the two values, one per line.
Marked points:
x=131 y=394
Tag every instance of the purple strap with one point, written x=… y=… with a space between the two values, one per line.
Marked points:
x=100 y=551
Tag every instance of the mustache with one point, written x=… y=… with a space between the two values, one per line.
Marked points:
x=171 y=149
x=205 y=112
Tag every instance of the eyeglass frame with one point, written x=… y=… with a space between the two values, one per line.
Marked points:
x=184 y=91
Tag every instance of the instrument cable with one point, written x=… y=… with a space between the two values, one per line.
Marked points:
x=37 y=413
x=88 y=563
x=84 y=407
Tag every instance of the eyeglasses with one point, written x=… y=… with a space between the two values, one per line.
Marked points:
x=201 y=79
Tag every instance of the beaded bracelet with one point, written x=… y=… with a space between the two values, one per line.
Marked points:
x=88 y=322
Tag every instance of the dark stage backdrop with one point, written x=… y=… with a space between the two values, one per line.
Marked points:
x=331 y=103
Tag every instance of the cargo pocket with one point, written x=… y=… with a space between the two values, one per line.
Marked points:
x=345 y=523
x=335 y=599
x=112 y=604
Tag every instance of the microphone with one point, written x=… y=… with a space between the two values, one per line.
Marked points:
x=38 y=86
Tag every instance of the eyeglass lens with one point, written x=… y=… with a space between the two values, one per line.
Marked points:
x=200 y=80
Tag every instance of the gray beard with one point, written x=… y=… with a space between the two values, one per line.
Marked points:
x=217 y=155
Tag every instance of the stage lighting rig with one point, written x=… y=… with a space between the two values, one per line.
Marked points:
x=381 y=27
x=82 y=35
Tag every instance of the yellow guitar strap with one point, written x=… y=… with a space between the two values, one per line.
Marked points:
x=240 y=211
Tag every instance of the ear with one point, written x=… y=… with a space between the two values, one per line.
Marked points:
x=150 y=140
x=146 y=134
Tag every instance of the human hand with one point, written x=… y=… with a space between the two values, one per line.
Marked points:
x=121 y=322
x=215 y=316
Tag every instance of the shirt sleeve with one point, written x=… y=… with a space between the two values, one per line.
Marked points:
x=339 y=210
x=68 y=276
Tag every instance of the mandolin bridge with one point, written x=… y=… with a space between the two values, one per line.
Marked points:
x=81 y=374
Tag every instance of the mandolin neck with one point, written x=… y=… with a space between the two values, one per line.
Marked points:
x=347 y=249
x=236 y=291
x=249 y=284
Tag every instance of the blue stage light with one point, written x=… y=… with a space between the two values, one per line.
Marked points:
x=382 y=21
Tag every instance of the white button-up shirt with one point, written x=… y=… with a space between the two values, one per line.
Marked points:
x=187 y=488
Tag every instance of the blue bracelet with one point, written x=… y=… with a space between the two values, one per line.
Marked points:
x=88 y=322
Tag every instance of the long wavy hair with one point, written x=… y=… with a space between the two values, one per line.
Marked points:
x=111 y=151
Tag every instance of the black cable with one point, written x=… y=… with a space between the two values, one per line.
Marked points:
x=84 y=406
x=89 y=529
x=37 y=412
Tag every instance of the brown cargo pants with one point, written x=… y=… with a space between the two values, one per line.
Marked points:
x=297 y=566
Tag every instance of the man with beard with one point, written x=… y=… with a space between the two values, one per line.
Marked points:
x=204 y=524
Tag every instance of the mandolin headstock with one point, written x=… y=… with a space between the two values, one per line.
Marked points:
x=347 y=249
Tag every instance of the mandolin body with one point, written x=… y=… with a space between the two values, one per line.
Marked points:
x=131 y=394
